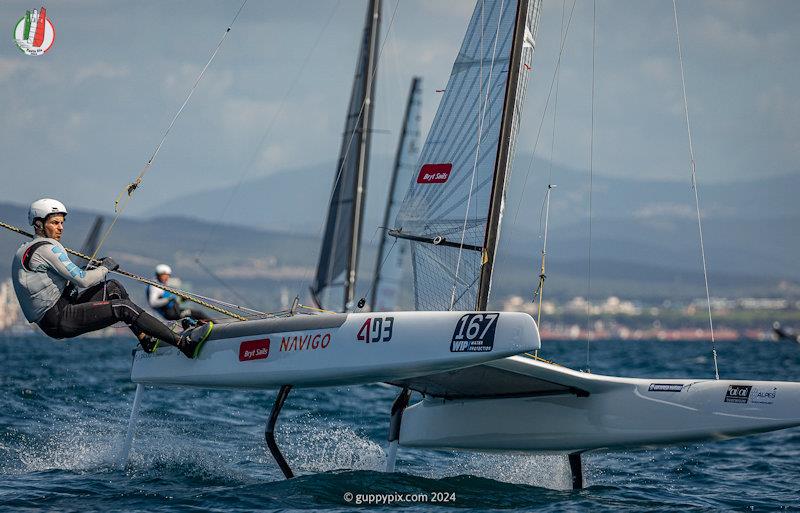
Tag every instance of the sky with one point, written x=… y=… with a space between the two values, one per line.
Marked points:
x=82 y=120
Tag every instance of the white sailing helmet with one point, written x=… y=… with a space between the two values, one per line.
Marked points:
x=163 y=269
x=42 y=208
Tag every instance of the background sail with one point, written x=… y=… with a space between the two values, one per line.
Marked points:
x=446 y=206
x=338 y=258
x=393 y=253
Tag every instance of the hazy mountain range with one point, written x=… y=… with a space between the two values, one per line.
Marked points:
x=265 y=243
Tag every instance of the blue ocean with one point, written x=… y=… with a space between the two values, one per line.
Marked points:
x=65 y=406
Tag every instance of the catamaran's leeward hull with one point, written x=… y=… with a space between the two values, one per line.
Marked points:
x=616 y=413
x=341 y=349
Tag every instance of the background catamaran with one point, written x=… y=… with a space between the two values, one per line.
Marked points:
x=480 y=389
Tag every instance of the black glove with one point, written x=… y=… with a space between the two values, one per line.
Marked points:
x=109 y=263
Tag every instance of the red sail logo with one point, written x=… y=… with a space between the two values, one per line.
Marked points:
x=254 y=350
x=434 y=173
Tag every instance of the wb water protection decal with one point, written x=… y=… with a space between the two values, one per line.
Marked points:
x=738 y=393
x=665 y=387
x=474 y=333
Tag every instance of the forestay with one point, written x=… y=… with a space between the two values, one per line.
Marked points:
x=469 y=147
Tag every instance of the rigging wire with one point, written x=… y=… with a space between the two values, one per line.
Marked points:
x=694 y=188
x=246 y=168
x=544 y=113
x=538 y=294
x=591 y=180
x=200 y=300
x=220 y=280
x=130 y=188
x=352 y=135
x=482 y=115
x=362 y=297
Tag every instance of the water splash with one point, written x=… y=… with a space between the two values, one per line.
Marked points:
x=81 y=447
x=321 y=447
x=542 y=470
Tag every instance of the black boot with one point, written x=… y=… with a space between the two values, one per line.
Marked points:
x=192 y=340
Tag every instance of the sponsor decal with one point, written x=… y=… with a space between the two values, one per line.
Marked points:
x=308 y=342
x=474 y=333
x=758 y=396
x=434 y=173
x=254 y=350
x=34 y=33
x=376 y=329
x=665 y=387
x=738 y=393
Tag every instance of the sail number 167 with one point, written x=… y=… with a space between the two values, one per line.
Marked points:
x=376 y=329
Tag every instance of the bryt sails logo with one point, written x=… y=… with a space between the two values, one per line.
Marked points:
x=34 y=33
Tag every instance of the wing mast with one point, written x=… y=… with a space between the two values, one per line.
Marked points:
x=406 y=155
x=338 y=260
x=522 y=38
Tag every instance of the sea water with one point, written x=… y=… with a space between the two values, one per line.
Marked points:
x=64 y=408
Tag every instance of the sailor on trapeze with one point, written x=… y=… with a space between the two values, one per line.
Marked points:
x=166 y=303
x=46 y=283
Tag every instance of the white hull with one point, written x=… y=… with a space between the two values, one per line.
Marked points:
x=328 y=350
x=618 y=412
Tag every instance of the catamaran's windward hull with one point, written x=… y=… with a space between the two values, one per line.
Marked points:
x=342 y=349
x=616 y=413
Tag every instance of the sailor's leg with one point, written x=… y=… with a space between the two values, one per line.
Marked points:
x=125 y=450
x=199 y=315
x=103 y=291
x=77 y=319
x=106 y=291
x=576 y=469
x=269 y=432
x=398 y=406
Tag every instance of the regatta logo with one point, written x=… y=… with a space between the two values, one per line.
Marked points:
x=434 y=173
x=737 y=393
x=665 y=387
x=254 y=350
x=34 y=32
x=305 y=342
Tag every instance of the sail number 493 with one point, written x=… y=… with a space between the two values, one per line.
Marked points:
x=376 y=329
x=474 y=333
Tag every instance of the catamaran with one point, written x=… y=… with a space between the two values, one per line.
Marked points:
x=481 y=388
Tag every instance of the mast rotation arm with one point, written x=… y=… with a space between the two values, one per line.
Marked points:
x=436 y=241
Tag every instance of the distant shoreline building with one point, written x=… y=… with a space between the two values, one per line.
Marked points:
x=9 y=307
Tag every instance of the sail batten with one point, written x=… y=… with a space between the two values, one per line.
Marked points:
x=469 y=148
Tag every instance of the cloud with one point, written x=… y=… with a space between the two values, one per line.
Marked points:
x=657 y=68
x=178 y=82
x=735 y=38
x=9 y=68
x=454 y=8
x=101 y=70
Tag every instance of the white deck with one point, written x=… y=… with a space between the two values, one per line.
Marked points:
x=326 y=350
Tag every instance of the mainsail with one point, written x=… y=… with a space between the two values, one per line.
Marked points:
x=338 y=259
x=454 y=204
x=391 y=261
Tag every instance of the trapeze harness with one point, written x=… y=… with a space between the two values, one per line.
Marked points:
x=46 y=282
